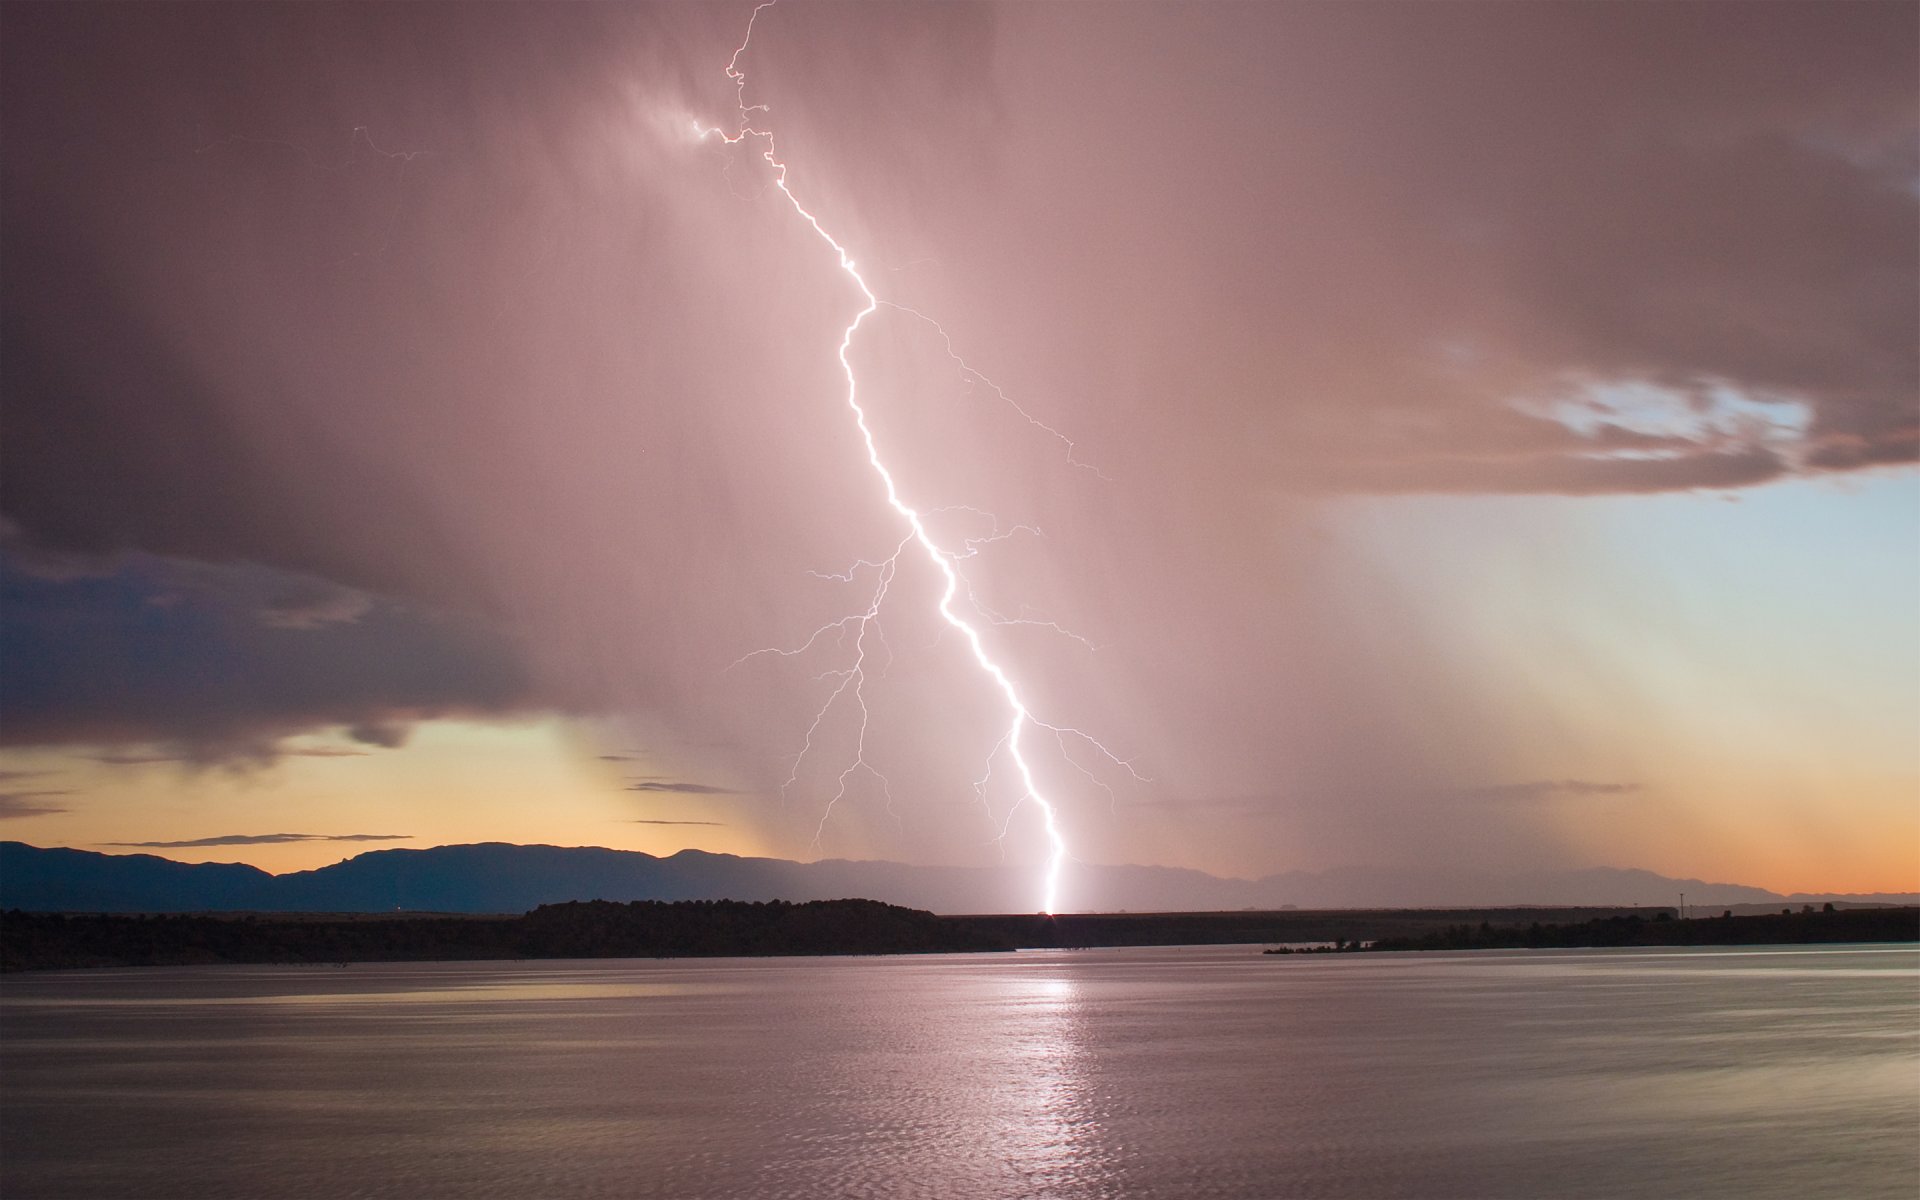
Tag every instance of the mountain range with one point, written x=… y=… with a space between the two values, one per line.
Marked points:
x=496 y=877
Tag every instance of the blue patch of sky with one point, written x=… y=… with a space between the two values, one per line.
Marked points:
x=1706 y=413
x=1813 y=582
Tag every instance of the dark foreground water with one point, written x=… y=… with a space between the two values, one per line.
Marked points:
x=1181 y=1072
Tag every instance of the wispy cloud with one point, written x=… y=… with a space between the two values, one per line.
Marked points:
x=139 y=758
x=640 y=821
x=681 y=787
x=315 y=605
x=264 y=839
x=1544 y=789
x=135 y=759
x=28 y=803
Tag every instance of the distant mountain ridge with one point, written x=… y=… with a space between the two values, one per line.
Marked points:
x=497 y=877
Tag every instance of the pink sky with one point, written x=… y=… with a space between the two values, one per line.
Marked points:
x=1476 y=412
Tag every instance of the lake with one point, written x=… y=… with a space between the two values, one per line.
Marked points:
x=1167 y=1072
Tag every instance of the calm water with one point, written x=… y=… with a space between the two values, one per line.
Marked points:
x=1183 y=1072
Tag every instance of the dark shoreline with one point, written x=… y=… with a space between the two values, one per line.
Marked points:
x=1788 y=927
x=726 y=928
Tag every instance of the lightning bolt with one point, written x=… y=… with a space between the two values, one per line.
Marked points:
x=943 y=560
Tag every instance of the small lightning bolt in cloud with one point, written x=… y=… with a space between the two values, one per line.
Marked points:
x=362 y=138
x=879 y=575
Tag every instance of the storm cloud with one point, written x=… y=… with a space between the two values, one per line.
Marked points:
x=157 y=652
x=368 y=364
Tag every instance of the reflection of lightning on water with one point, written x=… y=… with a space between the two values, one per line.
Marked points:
x=858 y=626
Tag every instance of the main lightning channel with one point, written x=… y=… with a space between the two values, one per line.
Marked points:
x=941 y=559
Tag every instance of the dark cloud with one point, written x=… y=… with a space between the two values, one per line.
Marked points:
x=652 y=822
x=680 y=786
x=265 y=839
x=388 y=735
x=1685 y=197
x=30 y=803
x=92 y=659
x=1575 y=475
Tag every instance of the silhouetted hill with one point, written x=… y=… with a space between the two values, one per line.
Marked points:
x=58 y=880
x=500 y=878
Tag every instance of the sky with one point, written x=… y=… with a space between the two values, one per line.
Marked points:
x=1473 y=434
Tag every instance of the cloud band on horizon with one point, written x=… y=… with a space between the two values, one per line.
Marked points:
x=264 y=839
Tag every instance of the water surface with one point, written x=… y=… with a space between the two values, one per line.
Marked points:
x=1166 y=1072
